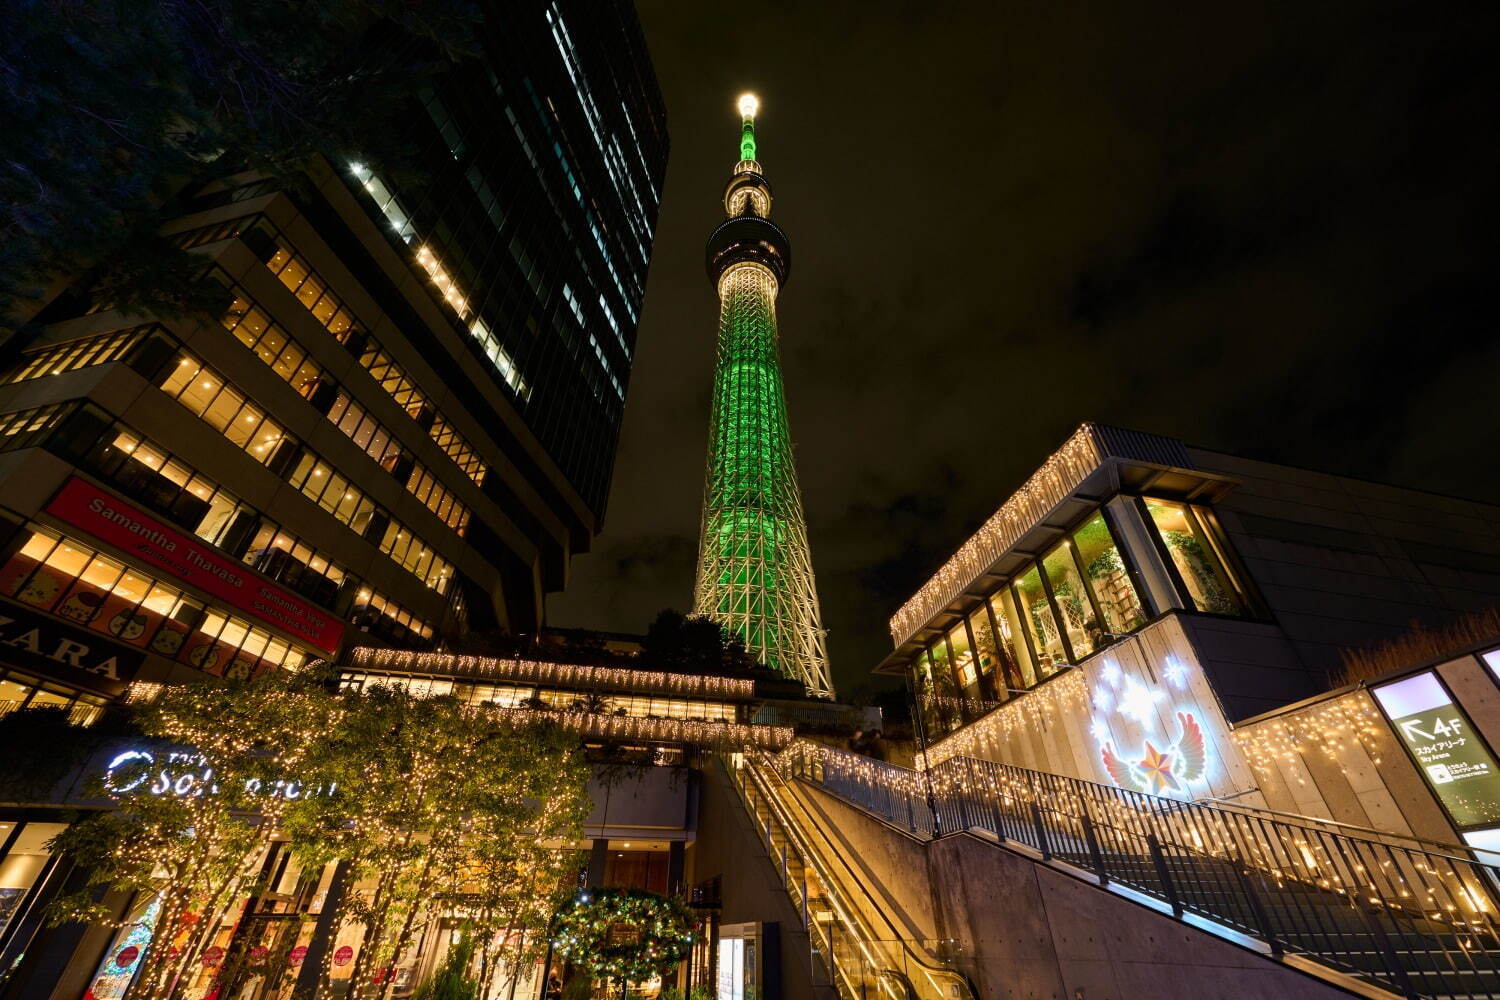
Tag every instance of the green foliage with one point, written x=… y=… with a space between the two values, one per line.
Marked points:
x=452 y=981
x=691 y=644
x=622 y=934
x=197 y=846
x=41 y=749
x=438 y=797
x=110 y=106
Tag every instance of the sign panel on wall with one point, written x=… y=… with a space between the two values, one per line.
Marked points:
x=86 y=506
x=1452 y=758
x=49 y=647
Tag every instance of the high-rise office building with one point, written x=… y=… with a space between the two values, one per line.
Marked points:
x=404 y=418
x=755 y=571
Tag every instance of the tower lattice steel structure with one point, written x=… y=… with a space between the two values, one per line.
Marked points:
x=755 y=572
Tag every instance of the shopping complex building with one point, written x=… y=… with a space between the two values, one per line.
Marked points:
x=400 y=423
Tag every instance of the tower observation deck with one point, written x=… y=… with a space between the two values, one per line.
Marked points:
x=755 y=572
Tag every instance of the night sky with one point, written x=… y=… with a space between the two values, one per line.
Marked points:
x=1268 y=231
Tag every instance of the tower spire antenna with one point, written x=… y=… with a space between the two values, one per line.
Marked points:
x=755 y=574
x=749 y=104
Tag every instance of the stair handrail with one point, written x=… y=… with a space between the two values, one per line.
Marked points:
x=811 y=859
x=1479 y=853
x=1447 y=890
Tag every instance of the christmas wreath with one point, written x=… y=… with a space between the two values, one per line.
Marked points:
x=627 y=934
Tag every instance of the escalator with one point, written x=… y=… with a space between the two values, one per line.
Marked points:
x=862 y=944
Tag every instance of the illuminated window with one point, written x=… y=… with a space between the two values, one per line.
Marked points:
x=965 y=664
x=1108 y=580
x=1196 y=556
x=75 y=582
x=416 y=557
x=1010 y=636
x=75 y=354
x=1039 y=623
x=1072 y=600
x=326 y=487
x=205 y=393
x=19 y=690
x=143 y=470
x=29 y=428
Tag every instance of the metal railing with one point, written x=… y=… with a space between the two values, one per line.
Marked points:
x=1421 y=923
x=854 y=942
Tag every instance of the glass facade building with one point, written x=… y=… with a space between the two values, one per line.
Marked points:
x=399 y=422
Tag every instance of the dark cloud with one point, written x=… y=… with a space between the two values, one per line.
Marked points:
x=1263 y=228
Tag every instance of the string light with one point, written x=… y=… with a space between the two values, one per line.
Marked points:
x=1062 y=473
x=559 y=674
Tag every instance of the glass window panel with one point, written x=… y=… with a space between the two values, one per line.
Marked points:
x=1011 y=641
x=1073 y=601
x=964 y=663
x=1104 y=571
x=987 y=656
x=1038 y=621
x=1197 y=563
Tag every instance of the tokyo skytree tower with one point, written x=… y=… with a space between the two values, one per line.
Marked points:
x=755 y=572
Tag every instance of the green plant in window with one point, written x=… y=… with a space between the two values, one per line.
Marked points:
x=1205 y=582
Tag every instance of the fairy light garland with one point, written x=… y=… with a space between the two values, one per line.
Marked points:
x=622 y=934
x=1330 y=728
x=1049 y=486
x=722 y=735
x=1040 y=708
x=546 y=672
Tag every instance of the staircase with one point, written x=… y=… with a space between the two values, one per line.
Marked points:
x=1410 y=921
x=861 y=949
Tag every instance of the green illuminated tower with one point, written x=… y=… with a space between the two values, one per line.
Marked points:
x=755 y=571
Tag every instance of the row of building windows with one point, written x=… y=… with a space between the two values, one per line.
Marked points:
x=223 y=407
x=145 y=471
x=448 y=289
x=72 y=355
x=253 y=327
x=74 y=581
x=294 y=271
x=1061 y=608
x=29 y=428
x=524 y=695
x=19 y=690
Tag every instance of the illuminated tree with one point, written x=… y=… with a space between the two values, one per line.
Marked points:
x=434 y=798
x=195 y=808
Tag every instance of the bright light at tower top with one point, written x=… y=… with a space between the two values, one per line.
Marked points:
x=749 y=105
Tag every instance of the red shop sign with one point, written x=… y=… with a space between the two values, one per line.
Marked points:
x=85 y=506
x=127 y=954
x=343 y=955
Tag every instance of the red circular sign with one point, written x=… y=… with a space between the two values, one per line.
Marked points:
x=343 y=956
x=298 y=954
x=213 y=956
x=259 y=952
x=127 y=954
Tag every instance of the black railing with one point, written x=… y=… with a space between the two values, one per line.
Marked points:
x=1418 y=922
x=854 y=945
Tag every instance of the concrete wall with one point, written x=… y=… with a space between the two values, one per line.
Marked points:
x=1033 y=932
x=1343 y=562
x=728 y=847
x=1129 y=694
x=1339 y=759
